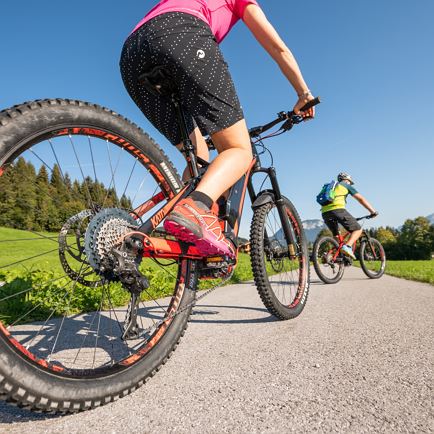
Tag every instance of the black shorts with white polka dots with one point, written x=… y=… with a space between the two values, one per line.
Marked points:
x=187 y=47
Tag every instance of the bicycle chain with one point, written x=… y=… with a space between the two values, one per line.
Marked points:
x=190 y=305
x=102 y=234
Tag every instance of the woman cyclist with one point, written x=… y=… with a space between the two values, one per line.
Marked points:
x=183 y=35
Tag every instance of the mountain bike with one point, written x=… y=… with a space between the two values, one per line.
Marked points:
x=94 y=295
x=329 y=261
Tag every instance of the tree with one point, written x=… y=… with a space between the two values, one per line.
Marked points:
x=24 y=180
x=416 y=239
x=385 y=235
x=125 y=202
x=7 y=197
x=43 y=199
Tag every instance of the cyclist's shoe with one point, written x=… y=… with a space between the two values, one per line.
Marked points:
x=190 y=223
x=348 y=251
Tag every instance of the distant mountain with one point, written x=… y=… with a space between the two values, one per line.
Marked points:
x=312 y=228
x=431 y=218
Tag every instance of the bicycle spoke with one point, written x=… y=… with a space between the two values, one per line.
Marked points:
x=41 y=160
x=86 y=334
x=85 y=182
x=16 y=240
x=28 y=259
x=286 y=278
x=48 y=319
x=63 y=318
x=93 y=161
x=97 y=330
x=29 y=289
x=76 y=318
x=140 y=188
x=112 y=181
x=57 y=161
x=129 y=178
x=26 y=314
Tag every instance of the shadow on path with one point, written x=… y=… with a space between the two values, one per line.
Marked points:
x=9 y=414
x=206 y=309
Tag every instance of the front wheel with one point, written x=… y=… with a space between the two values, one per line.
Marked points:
x=281 y=271
x=372 y=258
x=329 y=265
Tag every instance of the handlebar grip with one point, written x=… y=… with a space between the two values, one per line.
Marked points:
x=310 y=104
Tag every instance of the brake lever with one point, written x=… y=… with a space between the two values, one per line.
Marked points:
x=291 y=121
x=297 y=119
x=287 y=125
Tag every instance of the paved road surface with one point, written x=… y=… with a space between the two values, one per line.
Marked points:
x=359 y=358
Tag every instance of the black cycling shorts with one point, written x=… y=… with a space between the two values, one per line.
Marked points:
x=186 y=46
x=340 y=216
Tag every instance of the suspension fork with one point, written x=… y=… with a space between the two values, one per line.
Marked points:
x=287 y=230
x=290 y=237
x=367 y=239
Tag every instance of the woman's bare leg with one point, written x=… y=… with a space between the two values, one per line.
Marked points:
x=191 y=220
x=235 y=156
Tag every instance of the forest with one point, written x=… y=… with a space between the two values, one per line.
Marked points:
x=34 y=200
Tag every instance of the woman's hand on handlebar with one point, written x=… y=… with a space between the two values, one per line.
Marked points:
x=303 y=100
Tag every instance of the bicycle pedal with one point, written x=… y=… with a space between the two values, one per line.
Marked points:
x=214 y=260
x=215 y=273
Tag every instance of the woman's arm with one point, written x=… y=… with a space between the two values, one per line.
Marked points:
x=267 y=36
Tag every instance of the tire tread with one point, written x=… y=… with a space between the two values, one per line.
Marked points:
x=259 y=272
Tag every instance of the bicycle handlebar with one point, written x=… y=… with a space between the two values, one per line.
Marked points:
x=290 y=119
x=311 y=103
x=367 y=217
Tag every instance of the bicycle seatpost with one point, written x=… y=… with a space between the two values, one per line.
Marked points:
x=188 y=147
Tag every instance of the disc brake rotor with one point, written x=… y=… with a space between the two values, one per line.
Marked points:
x=71 y=249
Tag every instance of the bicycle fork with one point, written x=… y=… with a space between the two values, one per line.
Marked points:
x=289 y=235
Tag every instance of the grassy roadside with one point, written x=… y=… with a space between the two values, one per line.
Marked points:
x=420 y=271
x=41 y=289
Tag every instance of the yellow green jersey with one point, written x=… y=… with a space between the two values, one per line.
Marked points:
x=342 y=190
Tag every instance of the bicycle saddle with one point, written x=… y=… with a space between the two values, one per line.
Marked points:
x=158 y=80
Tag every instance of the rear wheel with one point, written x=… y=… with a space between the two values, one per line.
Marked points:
x=372 y=258
x=281 y=271
x=329 y=267
x=74 y=178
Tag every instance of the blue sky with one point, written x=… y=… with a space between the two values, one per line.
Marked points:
x=371 y=62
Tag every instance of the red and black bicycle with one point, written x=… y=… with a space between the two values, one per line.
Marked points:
x=329 y=261
x=84 y=229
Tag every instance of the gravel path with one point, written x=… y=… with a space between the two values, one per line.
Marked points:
x=358 y=359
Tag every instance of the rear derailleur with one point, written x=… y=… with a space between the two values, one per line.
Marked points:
x=126 y=270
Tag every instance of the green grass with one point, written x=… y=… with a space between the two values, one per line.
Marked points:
x=16 y=245
x=421 y=271
x=43 y=291
x=50 y=292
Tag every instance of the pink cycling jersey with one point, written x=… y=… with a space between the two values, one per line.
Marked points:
x=220 y=15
